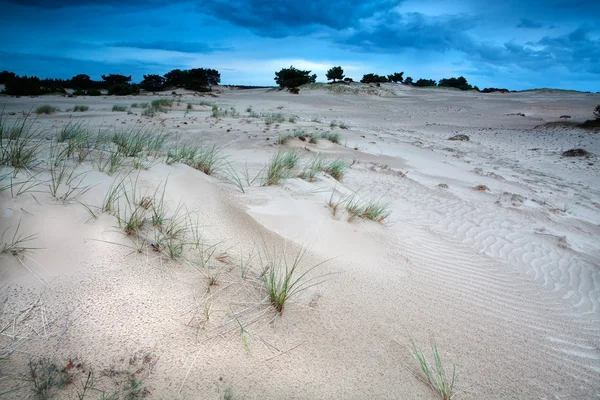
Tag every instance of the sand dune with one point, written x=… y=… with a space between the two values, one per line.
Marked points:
x=506 y=280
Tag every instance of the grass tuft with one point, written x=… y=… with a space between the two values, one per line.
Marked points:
x=16 y=244
x=207 y=159
x=119 y=108
x=46 y=109
x=283 y=279
x=435 y=374
x=80 y=108
x=280 y=165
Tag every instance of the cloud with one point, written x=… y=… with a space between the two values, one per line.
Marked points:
x=529 y=24
x=293 y=17
x=181 y=47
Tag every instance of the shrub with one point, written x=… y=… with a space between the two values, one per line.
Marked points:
x=396 y=77
x=93 y=92
x=46 y=109
x=597 y=111
x=335 y=73
x=373 y=78
x=80 y=108
x=119 y=108
x=153 y=83
x=425 y=83
x=293 y=77
x=459 y=83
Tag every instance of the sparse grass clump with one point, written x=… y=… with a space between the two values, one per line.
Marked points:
x=133 y=141
x=161 y=105
x=80 y=108
x=46 y=109
x=336 y=168
x=282 y=279
x=435 y=374
x=280 y=166
x=374 y=210
x=17 y=243
x=119 y=108
x=218 y=112
x=18 y=147
x=274 y=118
x=207 y=159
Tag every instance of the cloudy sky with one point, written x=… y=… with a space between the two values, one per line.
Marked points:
x=519 y=44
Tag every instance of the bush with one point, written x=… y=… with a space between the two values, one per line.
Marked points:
x=396 y=77
x=153 y=83
x=348 y=80
x=597 y=111
x=292 y=77
x=46 y=109
x=492 y=90
x=119 y=108
x=373 y=78
x=458 y=83
x=93 y=92
x=408 y=80
x=425 y=82
x=23 y=86
x=80 y=108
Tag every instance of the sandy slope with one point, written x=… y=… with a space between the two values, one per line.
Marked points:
x=506 y=283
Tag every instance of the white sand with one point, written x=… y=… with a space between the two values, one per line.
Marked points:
x=485 y=273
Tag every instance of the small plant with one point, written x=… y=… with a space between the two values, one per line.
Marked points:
x=189 y=107
x=336 y=168
x=274 y=118
x=119 y=108
x=80 y=108
x=292 y=119
x=17 y=148
x=46 y=109
x=343 y=125
x=435 y=374
x=291 y=158
x=597 y=112
x=283 y=139
x=134 y=105
x=333 y=124
x=218 y=112
x=73 y=189
x=278 y=169
x=16 y=244
x=315 y=119
x=207 y=159
x=282 y=279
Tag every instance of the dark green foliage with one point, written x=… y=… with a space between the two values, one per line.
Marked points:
x=373 y=78
x=5 y=76
x=408 y=80
x=396 y=77
x=335 y=73
x=348 y=80
x=476 y=88
x=458 y=83
x=83 y=82
x=293 y=77
x=198 y=79
x=115 y=79
x=425 y=82
x=23 y=86
x=597 y=112
x=123 y=89
x=492 y=90
x=153 y=83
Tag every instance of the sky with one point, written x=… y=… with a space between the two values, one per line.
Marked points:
x=517 y=44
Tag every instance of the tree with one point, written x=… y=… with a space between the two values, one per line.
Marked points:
x=82 y=82
x=373 y=78
x=408 y=81
x=348 y=80
x=293 y=77
x=153 y=83
x=23 y=86
x=396 y=77
x=175 y=78
x=114 y=79
x=335 y=73
x=5 y=76
x=425 y=82
x=597 y=112
x=459 y=83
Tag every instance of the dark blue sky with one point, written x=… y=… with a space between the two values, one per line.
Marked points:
x=518 y=44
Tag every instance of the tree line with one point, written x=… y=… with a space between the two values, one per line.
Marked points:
x=202 y=80
x=197 y=79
